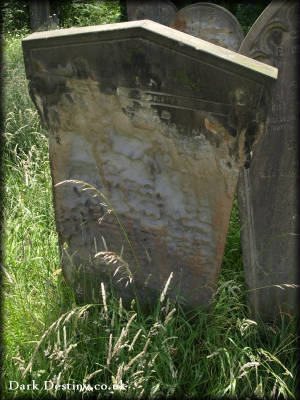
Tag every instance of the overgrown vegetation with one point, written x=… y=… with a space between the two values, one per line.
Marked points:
x=16 y=16
x=163 y=353
x=89 y=13
x=94 y=12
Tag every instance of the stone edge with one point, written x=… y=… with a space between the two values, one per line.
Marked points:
x=84 y=34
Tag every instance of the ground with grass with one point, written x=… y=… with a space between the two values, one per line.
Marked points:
x=164 y=352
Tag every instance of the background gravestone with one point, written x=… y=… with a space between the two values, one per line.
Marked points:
x=157 y=121
x=39 y=11
x=268 y=188
x=209 y=22
x=156 y=10
x=40 y=18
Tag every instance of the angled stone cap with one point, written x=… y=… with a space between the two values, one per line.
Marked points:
x=155 y=32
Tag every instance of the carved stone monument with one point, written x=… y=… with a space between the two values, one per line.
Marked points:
x=161 y=11
x=157 y=121
x=209 y=22
x=268 y=188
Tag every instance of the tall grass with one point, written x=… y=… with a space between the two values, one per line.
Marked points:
x=133 y=354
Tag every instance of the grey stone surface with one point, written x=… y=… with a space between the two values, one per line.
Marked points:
x=268 y=188
x=161 y=11
x=209 y=22
x=39 y=11
x=157 y=121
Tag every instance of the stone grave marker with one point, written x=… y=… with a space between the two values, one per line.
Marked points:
x=157 y=121
x=161 y=11
x=40 y=18
x=267 y=191
x=39 y=14
x=209 y=22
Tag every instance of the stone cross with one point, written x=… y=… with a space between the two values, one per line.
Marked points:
x=157 y=121
x=268 y=188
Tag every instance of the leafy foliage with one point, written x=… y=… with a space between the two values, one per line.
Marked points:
x=93 y=12
x=248 y=13
x=16 y=16
x=70 y=13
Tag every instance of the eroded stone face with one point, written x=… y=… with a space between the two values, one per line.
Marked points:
x=157 y=121
x=209 y=22
x=268 y=188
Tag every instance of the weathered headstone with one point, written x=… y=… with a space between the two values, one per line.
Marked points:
x=268 y=188
x=209 y=22
x=39 y=11
x=157 y=121
x=161 y=11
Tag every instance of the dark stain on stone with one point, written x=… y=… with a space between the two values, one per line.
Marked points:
x=75 y=189
x=277 y=36
x=81 y=69
x=232 y=131
x=105 y=86
x=247 y=147
x=32 y=95
x=69 y=98
x=54 y=117
x=135 y=94
x=252 y=128
x=57 y=139
x=247 y=162
x=152 y=168
x=50 y=86
x=50 y=89
x=140 y=65
x=131 y=110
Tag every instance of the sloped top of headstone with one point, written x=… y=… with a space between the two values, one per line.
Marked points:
x=268 y=29
x=152 y=31
x=161 y=11
x=209 y=22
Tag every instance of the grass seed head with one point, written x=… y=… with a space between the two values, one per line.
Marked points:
x=164 y=292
